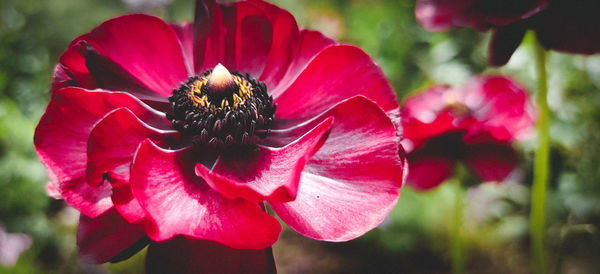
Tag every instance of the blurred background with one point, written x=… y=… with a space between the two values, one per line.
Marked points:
x=415 y=237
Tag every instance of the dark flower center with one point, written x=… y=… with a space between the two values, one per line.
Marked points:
x=222 y=109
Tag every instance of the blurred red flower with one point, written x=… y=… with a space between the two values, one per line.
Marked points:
x=474 y=124
x=562 y=25
x=152 y=145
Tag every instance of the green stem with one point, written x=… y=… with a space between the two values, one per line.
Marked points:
x=541 y=163
x=456 y=233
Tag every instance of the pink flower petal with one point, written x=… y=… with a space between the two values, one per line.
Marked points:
x=311 y=43
x=52 y=191
x=248 y=38
x=491 y=161
x=145 y=47
x=74 y=62
x=111 y=76
x=439 y=15
x=335 y=74
x=209 y=36
x=178 y=202
x=124 y=202
x=61 y=78
x=285 y=40
x=353 y=181
x=428 y=171
x=61 y=141
x=267 y=173
x=501 y=105
x=112 y=144
x=252 y=37
x=185 y=256
x=185 y=33
x=102 y=238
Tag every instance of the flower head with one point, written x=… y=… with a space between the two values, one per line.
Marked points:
x=474 y=124
x=176 y=135
x=562 y=25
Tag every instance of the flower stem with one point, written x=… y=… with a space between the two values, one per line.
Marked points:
x=541 y=164
x=456 y=233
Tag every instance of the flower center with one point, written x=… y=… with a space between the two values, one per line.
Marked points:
x=222 y=109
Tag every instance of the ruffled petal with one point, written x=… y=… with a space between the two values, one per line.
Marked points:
x=111 y=76
x=74 y=62
x=113 y=142
x=61 y=78
x=335 y=74
x=185 y=256
x=178 y=202
x=266 y=173
x=491 y=161
x=353 y=181
x=428 y=171
x=145 y=47
x=61 y=141
x=311 y=43
x=103 y=238
x=126 y=204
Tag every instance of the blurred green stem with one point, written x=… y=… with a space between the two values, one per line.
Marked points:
x=541 y=163
x=456 y=233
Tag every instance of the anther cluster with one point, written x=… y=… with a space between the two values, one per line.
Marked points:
x=240 y=116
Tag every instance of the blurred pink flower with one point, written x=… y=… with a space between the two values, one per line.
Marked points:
x=474 y=124
x=562 y=25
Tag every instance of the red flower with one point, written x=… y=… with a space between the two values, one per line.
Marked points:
x=475 y=124
x=562 y=25
x=146 y=140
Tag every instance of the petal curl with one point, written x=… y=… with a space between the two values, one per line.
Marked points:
x=179 y=202
x=61 y=141
x=267 y=173
x=61 y=78
x=353 y=181
x=74 y=62
x=145 y=47
x=113 y=142
x=106 y=236
x=337 y=73
x=186 y=256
